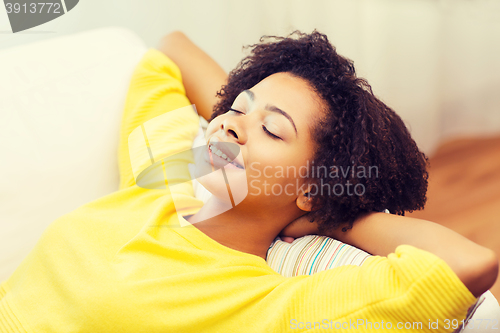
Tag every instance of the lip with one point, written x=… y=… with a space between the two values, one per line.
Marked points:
x=225 y=147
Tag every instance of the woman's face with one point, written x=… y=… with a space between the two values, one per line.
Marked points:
x=271 y=125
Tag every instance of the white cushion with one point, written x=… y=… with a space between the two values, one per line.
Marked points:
x=60 y=111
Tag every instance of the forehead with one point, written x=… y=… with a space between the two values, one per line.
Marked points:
x=293 y=95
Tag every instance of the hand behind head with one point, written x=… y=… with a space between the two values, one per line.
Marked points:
x=298 y=228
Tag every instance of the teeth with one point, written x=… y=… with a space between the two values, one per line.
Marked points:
x=219 y=153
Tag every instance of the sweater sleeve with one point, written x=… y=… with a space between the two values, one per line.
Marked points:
x=149 y=129
x=410 y=287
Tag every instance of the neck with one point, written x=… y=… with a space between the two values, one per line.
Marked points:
x=250 y=231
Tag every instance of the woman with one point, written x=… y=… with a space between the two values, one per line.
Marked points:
x=131 y=262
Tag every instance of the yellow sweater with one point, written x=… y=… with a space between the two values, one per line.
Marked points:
x=122 y=263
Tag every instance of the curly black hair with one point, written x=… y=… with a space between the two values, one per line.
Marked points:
x=357 y=132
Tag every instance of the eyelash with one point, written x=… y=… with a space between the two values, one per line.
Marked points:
x=231 y=109
x=263 y=127
x=270 y=134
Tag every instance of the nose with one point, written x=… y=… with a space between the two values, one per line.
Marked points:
x=234 y=130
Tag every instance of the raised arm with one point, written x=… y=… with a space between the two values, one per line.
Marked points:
x=201 y=75
x=380 y=234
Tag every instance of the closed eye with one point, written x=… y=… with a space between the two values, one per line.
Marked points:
x=263 y=127
x=231 y=109
x=271 y=134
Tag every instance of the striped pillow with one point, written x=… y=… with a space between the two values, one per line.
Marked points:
x=311 y=254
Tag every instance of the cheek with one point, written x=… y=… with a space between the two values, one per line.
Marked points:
x=281 y=158
x=279 y=170
x=212 y=127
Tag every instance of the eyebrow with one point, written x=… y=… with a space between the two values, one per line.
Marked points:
x=272 y=108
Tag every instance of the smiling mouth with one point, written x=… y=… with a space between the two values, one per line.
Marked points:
x=216 y=151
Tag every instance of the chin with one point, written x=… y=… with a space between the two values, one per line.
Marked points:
x=215 y=183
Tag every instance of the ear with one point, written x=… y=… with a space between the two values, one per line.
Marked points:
x=304 y=200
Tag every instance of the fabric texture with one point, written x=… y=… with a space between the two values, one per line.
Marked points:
x=311 y=254
x=123 y=263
